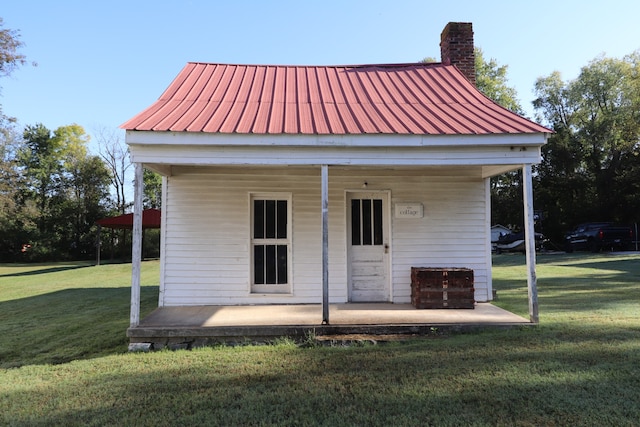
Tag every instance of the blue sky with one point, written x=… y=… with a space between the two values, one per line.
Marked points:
x=101 y=62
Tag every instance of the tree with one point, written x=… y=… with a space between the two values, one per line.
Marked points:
x=10 y=57
x=116 y=156
x=10 y=43
x=152 y=190
x=41 y=164
x=87 y=200
x=67 y=187
x=590 y=166
x=491 y=79
x=13 y=220
x=506 y=189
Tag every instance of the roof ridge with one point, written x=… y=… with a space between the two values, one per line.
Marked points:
x=374 y=65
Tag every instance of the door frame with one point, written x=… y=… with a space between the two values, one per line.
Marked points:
x=386 y=229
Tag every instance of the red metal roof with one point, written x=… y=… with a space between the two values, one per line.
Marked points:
x=432 y=99
x=150 y=219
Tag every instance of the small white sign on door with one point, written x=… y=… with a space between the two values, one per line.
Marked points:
x=409 y=210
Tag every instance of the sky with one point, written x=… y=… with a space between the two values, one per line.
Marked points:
x=99 y=62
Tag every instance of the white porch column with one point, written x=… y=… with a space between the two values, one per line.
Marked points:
x=325 y=244
x=136 y=245
x=530 y=241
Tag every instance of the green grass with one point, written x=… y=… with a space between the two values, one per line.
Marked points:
x=54 y=313
x=580 y=366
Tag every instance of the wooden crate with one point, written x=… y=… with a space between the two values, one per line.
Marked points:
x=442 y=287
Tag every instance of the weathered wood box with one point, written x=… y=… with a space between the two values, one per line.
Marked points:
x=442 y=287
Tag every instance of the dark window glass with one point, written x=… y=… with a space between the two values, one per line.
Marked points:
x=355 y=222
x=281 y=208
x=258 y=264
x=270 y=264
x=377 y=222
x=258 y=219
x=366 y=222
x=270 y=219
x=282 y=264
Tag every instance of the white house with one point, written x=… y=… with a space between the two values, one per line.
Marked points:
x=326 y=184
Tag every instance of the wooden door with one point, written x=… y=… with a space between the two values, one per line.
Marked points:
x=368 y=246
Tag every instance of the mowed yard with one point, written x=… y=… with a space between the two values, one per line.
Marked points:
x=64 y=359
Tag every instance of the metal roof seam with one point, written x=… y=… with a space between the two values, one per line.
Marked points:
x=239 y=102
x=178 y=81
x=373 y=99
x=494 y=108
x=291 y=111
x=395 y=95
x=367 y=99
x=474 y=117
x=318 y=118
x=339 y=101
x=246 y=114
x=430 y=83
x=410 y=105
x=369 y=118
x=260 y=124
x=274 y=124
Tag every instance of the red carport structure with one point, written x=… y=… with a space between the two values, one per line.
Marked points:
x=151 y=218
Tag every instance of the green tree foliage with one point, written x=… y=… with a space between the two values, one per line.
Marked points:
x=11 y=213
x=506 y=189
x=491 y=79
x=152 y=189
x=10 y=58
x=51 y=190
x=591 y=166
x=64 y=191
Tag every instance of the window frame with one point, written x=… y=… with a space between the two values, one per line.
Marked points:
x=284 y=288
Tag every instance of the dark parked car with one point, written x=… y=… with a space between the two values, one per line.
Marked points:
x=596 y=236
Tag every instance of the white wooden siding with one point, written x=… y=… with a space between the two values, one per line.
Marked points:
x=207 y=227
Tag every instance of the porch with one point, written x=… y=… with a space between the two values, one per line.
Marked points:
x=187 y=327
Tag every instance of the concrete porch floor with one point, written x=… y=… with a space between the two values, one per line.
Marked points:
x=186 y=327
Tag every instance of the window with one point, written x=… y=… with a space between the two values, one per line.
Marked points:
x=270 y=242
x=366 y=222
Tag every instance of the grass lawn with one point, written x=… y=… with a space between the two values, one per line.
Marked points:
x=63 y=359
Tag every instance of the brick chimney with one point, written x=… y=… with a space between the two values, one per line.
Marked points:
x=456 y=48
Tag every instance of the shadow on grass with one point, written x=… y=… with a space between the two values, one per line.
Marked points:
x=497 y=378
x=572 y=283
x=47 y=270
x=66 y=325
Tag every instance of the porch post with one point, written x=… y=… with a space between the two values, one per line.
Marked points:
x=325 y=244
x=530 y=241
x=136 y=243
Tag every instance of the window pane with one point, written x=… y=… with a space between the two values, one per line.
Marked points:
x=366 y=222
x=282 y=264
x=377 y=222
x=270 y=264
x=258 y=219
x=282 y=219
x=258 y=264
x=355 y=222
x=270 y=219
